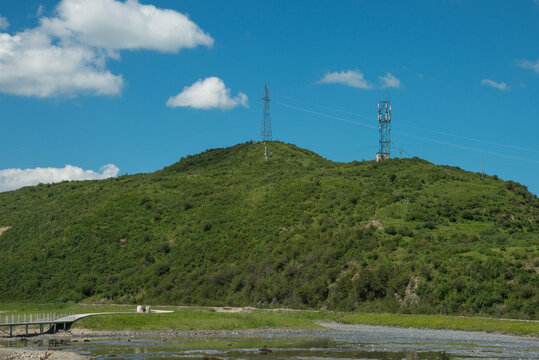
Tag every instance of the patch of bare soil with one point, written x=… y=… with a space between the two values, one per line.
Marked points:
x=410 y=295
x=374 y=223
x=4 y=229
x=229 y=309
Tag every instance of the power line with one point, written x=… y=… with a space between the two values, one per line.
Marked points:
x=468 y=148
x=400 y=123
x=325 y=115
x=410 y=135
x=327 y=107
x=472 y=139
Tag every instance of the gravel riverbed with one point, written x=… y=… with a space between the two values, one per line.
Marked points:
x=29 y=354
x=353 y=339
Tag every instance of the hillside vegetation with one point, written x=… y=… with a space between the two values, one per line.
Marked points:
x=226 y=227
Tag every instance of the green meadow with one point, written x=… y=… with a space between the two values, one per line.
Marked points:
x=203 y=318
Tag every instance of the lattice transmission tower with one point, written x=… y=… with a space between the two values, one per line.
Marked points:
x=384 y=128
x=265 y=132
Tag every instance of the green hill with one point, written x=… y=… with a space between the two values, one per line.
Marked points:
x=226 y=227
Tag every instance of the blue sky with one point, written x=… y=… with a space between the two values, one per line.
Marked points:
x=138 y=85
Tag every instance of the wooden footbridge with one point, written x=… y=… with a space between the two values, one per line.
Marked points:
x=54 y=321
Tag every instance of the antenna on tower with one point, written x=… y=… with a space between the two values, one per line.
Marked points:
x=384 y=128
x=265 y=132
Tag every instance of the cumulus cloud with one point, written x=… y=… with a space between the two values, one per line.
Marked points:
x=30 y=65
x=207 y=94
x=4 y=24
x=526 y=64
x=67 y=53
x=500 y=86
x=353 y=78
x=114 y=25
x=390 y=81
x=11 y=179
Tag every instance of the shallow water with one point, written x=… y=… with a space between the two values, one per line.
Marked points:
x=342 y=342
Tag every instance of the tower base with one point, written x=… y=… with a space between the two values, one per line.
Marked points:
x=380 y=157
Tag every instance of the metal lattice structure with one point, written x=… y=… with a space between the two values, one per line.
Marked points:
x=384 y=128
x=265 y=132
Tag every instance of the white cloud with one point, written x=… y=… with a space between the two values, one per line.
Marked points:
x=40 y=11
x=207 y=94
x=11 y=179
x=114 y=25
x=66 y=55
x=30 y=65
x=526 y=64
x=500 y=86
x=353 y=78
x=4 y=24
x=390 y=81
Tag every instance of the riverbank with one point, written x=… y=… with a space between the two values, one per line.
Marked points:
x=204 y=320
x=364 y=341
x=86 y=335
x=444 y=322
x=28 y=354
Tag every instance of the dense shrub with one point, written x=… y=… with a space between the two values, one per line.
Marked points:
x=226 y=227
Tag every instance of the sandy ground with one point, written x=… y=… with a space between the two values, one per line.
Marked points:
x=25 y=354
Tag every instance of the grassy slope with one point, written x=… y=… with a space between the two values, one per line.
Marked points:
x=226 y=227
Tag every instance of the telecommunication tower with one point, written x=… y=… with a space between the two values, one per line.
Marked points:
x=265 y=132
x=384 y=128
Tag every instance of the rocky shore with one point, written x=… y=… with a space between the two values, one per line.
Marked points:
x=81 y=335
x=27 y=354
x=85 y=335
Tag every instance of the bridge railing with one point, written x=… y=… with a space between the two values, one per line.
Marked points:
x=31 y=318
